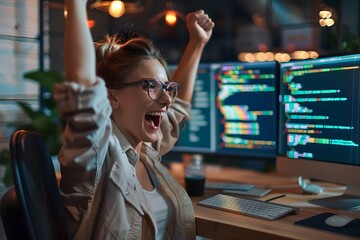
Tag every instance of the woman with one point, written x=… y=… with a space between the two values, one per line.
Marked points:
x=118 y=126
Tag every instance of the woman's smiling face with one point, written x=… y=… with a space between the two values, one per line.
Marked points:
x=137 y=115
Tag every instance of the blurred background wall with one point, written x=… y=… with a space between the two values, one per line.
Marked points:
x=31 y=36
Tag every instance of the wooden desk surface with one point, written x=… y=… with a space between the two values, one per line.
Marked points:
x=217 y=224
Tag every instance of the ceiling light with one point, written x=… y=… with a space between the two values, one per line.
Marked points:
x=329 y=22
x=325 y=14
x=117 y=8
x=325 y=18
x=170 y=14
x=170 y=18
x=322 y=22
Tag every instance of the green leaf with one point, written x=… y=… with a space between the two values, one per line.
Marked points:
x=32 y=114
x=5 y=156
x=8 y=177
x=5 y=161
x=43 y=124
x=46 y=79
x=45 y=121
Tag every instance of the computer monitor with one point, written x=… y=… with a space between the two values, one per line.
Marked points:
x=197 y=136
x=319 y=124
x=246 y=108
x=234 y=112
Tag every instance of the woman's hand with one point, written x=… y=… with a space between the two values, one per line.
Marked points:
x=200 y=26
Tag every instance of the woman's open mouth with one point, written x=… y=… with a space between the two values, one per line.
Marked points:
x=153 y=119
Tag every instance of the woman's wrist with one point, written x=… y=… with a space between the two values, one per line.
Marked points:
x=196 y=45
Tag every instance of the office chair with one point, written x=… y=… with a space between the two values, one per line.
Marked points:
x=32 y=209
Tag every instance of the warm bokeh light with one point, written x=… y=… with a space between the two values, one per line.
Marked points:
x=65 y=12
x=249 y=57
x=285 y=57
x=313 y=54
x=300 y=55
x=280 y=57
x=290 y=47
x=260 y=56
x=326 y=20
x=116 y=8
x=170 y=18
x=90 y=23
x=263 y=47
x=329 y=22
x=322 y=22
x=325 y=14
x=270 y=56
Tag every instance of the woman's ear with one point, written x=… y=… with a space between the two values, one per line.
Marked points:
x=113 y=100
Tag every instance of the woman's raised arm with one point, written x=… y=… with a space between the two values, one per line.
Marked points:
x=200 y=28
x=79 y=48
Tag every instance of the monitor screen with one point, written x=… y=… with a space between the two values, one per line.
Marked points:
x=234 y=111
x=197 y=135
x=246 y=108
x=319 y=119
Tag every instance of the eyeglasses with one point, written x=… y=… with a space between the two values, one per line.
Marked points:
x=155 y=88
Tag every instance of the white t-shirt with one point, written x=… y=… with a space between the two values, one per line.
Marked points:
x=161 y=211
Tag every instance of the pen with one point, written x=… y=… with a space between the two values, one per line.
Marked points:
x=271 y=199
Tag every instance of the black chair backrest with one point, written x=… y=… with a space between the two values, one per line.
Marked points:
x=36 y=187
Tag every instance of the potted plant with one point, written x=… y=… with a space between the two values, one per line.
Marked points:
x=45 y=120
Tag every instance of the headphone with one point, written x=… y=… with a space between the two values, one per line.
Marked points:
x=309 y=188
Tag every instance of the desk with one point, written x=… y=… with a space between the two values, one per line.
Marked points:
x=216 y=224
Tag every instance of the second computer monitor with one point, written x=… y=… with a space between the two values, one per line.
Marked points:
x=197 y=135
x=319 y=124
x=246 y=108
x=234 y=111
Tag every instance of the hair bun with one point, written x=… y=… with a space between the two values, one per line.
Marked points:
x=105 y=47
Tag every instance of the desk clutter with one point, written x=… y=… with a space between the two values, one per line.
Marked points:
x=238 y=189
x=318 y=222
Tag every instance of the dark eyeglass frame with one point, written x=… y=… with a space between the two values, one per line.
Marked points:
x=147 y=82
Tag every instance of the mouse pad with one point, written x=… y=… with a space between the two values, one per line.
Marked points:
x=318 y=222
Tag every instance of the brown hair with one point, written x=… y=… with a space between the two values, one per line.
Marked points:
x=116 y=60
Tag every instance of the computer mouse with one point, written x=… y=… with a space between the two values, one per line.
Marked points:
x=338 y=220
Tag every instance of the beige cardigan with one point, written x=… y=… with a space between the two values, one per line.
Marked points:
x=99 y=186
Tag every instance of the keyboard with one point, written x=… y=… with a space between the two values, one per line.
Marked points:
x=249 y=207
x=228 y=186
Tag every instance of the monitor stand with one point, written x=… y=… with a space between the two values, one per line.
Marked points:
x=350 y=200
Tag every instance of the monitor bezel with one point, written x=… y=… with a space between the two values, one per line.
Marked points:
x=315 y=169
